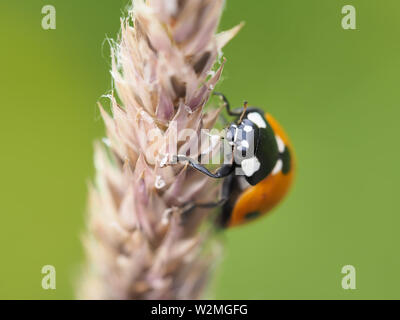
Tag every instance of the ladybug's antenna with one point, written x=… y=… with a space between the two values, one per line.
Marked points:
x=243 y=112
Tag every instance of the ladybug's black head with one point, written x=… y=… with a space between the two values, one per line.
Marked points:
x=243 y=138
x=254 y=145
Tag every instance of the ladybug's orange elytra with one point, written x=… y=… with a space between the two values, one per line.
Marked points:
x=265 y=195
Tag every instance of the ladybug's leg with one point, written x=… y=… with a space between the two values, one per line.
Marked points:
x=226 y=191
x=222 y=172
x=207 y=205
x=226 y=212
x=236 y=112
x=189 y=209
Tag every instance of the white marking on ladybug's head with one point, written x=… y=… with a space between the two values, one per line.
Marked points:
x=281 y=144
x=257 y=119
x=248 y=128
x=278 y=167
x=250 y=166
x=245 y=144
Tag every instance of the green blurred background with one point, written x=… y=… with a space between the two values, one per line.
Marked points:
x=336 y=91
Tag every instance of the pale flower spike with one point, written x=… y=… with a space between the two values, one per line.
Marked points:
x=137 y=244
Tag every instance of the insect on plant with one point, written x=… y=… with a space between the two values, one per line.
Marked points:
x=263 y=152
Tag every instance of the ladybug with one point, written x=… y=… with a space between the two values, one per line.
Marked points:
x=261 y=169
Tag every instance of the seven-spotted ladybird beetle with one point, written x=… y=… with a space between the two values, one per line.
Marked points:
x=263 y=152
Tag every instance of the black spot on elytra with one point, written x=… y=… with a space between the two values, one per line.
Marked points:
x=286 y=159
x=252 y=215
